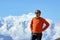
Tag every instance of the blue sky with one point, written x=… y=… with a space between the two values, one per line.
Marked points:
x=49 y=8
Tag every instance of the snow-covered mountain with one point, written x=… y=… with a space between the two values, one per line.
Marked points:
x=18 y=28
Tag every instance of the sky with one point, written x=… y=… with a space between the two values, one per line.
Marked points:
x=49 y=8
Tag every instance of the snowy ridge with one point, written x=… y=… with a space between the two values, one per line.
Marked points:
x=18 y=28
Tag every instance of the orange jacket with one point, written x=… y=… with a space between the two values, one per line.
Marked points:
x=36 y=25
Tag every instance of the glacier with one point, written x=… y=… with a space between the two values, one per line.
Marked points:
x=18 y=28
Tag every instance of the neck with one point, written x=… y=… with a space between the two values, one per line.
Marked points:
x=37 y=17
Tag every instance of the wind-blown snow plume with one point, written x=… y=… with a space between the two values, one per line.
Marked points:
x=18 y=28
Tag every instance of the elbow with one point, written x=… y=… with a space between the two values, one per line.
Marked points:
x=48 y=24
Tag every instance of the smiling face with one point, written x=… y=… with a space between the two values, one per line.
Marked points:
x=38 y=13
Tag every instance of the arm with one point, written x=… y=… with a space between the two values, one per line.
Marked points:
x=47 y=25
x=31 y=25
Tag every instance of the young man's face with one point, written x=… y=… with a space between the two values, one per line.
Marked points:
x=37 y=14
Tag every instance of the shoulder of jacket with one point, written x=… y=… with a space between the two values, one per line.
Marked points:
x=41 y=17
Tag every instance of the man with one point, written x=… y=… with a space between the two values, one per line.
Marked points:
x=36 y=26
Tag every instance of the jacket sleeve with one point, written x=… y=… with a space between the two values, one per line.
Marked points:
x=47 y=25
x=31 y=25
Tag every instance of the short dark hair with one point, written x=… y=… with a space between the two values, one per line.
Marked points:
x=38 y=11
